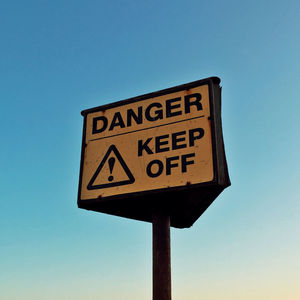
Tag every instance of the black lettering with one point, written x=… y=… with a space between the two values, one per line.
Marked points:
x=159 y=143
x=188 y=103
x=170 y=107
x=176 y=140
x=158 y=113
x=96 y=122
x=185 y=162
x=117 y=121
x=144 y=146
x=169 y=164
x=160 y=169
x=195 y=134
x=132 y=115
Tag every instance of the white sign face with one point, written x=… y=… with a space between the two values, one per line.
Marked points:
x=150 y=144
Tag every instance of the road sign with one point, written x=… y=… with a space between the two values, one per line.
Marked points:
x=160 y=150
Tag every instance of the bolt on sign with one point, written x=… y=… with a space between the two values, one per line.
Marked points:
x=162 y=150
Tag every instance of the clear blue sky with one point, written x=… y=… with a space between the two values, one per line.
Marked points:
x=60 y=57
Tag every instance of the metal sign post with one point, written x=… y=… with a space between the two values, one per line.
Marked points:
x=161 y=256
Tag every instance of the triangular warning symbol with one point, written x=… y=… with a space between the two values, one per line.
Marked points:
x=111 y=161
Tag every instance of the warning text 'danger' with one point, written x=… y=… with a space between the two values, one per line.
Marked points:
x=152 y=112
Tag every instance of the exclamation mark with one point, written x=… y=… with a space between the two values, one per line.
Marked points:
x=111 y=163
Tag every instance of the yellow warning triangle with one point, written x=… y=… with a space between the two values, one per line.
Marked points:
x=112 y=171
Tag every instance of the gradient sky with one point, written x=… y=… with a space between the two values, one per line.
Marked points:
x=60 y=57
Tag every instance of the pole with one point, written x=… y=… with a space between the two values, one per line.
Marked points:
x=161 y=256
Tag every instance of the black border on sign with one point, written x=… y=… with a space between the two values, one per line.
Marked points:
x=209 y=82
x=215 y=118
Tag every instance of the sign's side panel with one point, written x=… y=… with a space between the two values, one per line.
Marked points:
x=223 y=176
x=157 y=143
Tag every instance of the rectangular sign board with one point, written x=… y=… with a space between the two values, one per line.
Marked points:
x=162 y=150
